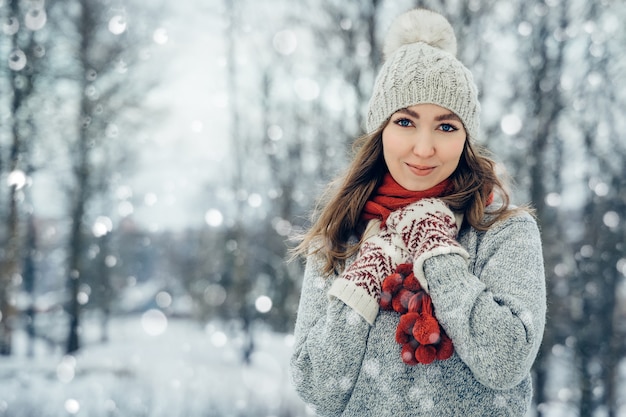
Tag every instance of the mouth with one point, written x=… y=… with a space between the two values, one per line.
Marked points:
x=420 y=170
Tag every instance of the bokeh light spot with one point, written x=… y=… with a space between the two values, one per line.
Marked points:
x=214 y=218
x=511 y=124
x=72 y=406
x=154 y=322
x=263 y=304
x=285 y=42
x=117 y=25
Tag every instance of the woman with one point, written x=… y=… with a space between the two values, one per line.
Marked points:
x=424 y=290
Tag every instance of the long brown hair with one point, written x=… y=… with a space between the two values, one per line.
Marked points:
x=337 y=215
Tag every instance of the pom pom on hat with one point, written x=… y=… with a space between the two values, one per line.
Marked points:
x=420 y=25
x=421 y=68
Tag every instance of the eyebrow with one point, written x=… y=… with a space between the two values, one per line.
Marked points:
x=441 y=117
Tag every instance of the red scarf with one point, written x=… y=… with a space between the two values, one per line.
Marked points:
x=390 y=196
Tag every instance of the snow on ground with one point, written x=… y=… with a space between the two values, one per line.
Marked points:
x=179 y=369
x=153 y=366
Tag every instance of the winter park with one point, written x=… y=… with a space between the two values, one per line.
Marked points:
x=158 y=161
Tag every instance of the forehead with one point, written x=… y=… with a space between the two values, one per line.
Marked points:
x=428 y=109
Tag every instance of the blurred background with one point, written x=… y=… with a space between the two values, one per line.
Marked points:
x=156 y=157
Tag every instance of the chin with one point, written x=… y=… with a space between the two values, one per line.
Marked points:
x=414 y=187
x=419 y=184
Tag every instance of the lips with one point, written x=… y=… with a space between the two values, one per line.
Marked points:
x=420 y=170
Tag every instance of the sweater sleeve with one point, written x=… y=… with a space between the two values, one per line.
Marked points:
x=495 y=318
x=330 y=341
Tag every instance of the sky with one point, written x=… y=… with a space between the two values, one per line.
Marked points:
x=184 y=149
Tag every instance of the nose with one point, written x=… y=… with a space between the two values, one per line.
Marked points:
x=423 y=144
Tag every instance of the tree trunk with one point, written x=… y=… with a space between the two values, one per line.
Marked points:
x=9 y=264
x=76 y=238
x=29 y=279
x=82 y=173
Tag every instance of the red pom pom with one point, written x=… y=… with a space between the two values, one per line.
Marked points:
x=407 y=321
x=427 y=306
x=411 y=283
x=415 y=302
x=425 y=354
x=404 y=331
x=426 y=330
x=385 y=301
x=396 y=304
x=445 y=349
x=392 y=283
x=408 y=354
x=402 y=337
x=400 y=301
x=405 y=269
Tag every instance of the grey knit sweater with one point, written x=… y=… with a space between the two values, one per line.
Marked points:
x=493 y=308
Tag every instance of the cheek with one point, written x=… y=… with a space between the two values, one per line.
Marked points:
x=393 y=145
x=389 y=147
x=455 y=151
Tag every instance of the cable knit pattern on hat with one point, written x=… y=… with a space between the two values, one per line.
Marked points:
x=418 y=71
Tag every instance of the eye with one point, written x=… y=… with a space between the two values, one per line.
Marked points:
x=403 y=122
x=446 y=127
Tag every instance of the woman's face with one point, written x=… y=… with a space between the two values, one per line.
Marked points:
x=422 y=145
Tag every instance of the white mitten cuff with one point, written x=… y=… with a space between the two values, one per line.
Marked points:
x=356 y=297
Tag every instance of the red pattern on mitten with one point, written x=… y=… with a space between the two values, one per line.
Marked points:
x=377 y=258
x=360 y=284
x=427 y=228
x=418 y=331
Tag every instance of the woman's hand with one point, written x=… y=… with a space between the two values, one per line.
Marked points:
x=359 y=285
x=427 y=228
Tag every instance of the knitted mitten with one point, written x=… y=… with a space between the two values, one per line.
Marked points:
x=418 y=332
x=360 y=283
x=428 y=228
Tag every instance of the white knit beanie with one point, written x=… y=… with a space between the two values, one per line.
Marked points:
x=420 y=67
